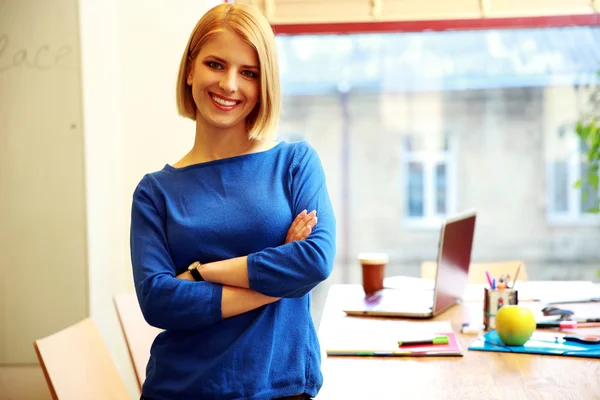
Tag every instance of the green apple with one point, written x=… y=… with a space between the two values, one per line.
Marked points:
x=515 y=325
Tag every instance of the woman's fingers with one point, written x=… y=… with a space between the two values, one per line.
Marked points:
x=301 y=226
x=307 y=220
x=308 y=228
x=304 y=228
x=295 y=223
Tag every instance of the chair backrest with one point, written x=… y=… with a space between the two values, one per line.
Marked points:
x=477 y=270
x=139 y=335
x=78 y=365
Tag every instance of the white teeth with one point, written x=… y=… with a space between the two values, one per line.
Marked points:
x=222 y=102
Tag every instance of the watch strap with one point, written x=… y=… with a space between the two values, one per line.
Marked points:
x=195 y=272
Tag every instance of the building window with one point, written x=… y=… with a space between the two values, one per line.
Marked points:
x=566 y=202
x=428 y=183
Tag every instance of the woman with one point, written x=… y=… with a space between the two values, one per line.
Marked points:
x=219 y=261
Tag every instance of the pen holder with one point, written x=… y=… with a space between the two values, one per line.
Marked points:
x=493 y=300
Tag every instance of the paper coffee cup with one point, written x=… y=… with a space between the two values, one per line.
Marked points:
x=373 y=265
x=373 y=258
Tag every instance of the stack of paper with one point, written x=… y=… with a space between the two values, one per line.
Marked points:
x=377 y=337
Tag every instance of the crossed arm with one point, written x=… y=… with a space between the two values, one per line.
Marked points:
x=237 y=285
x=237 y=298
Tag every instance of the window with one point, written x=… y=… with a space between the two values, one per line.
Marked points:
x=566 y=202
x=428 y=184
x=416 y=126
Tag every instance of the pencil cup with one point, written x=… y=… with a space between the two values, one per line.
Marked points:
x=493 y=300
x=373 y=265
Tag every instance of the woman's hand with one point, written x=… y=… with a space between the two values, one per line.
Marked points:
x=301 y=226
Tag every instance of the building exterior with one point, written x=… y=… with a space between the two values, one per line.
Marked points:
x=487 y=124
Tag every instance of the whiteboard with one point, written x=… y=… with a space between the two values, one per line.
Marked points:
x=43 y=278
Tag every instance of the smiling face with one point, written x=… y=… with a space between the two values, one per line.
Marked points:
x=225 y=81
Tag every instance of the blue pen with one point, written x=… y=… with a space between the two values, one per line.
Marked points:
x=494 y=284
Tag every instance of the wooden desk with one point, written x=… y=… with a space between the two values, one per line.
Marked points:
x=478 y=375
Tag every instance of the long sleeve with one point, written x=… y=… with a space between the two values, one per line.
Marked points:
x=166 y=302
x=294 y=269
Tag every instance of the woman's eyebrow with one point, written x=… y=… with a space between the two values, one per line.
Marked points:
x=219 y=59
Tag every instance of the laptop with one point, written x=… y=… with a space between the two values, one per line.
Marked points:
x=421 y=300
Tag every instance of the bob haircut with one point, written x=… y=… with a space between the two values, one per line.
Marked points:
x=252 y=27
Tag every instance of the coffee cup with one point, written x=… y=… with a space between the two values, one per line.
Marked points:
x=373 y=265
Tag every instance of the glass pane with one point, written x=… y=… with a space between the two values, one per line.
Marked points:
x=440 y=189
x=414 y=178
x=583 y=148
x=291 y=136
x=589 y=194
x=560 y=196
x=497 y=99
x=408 y=143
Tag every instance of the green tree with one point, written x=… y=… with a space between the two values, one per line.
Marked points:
x=588 y=130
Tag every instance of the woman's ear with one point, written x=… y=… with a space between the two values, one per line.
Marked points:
x=190 y=74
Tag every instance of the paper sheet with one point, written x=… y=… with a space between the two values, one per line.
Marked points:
x=367 y=334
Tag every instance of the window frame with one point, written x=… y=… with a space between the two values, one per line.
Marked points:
x=523 y=22
x=551 y=21
x=573 y=215
x=429 y=159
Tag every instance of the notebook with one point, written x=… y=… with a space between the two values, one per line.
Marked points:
x=540 y=343
x=454 y=259
x=375 y=337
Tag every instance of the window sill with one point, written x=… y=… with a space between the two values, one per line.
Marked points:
x=577 y=221
x=423 y=224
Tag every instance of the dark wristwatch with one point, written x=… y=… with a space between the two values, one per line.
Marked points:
x=193 y=268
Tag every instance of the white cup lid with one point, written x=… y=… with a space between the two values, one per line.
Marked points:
x=373 y=258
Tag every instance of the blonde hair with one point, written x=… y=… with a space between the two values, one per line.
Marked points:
x=250 y=25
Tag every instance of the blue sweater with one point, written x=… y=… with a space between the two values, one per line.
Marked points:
x=219 y=210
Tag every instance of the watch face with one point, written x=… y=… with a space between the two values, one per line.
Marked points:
x=195 y=272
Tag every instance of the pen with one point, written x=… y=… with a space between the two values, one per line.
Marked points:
x=367 y=352
x=494 y=283
x=557 y=324
x=516 y=276
x=487 y=274
x=435 y=340
x=381 y=353
x=585 y=300
x=567 y=324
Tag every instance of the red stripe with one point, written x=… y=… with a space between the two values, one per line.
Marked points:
x=439 y=25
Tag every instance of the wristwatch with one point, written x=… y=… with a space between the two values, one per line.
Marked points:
x=193 y=268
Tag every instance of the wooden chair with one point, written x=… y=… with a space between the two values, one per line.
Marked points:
x=78 y=365
x=139 y=335
x=477 y=270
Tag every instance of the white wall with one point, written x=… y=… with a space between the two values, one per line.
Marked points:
x=42 y=193
x=130 y=57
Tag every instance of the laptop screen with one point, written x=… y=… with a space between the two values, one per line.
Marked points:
x=454 y=258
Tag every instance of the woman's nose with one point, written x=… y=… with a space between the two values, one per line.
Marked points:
x=228 y=82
